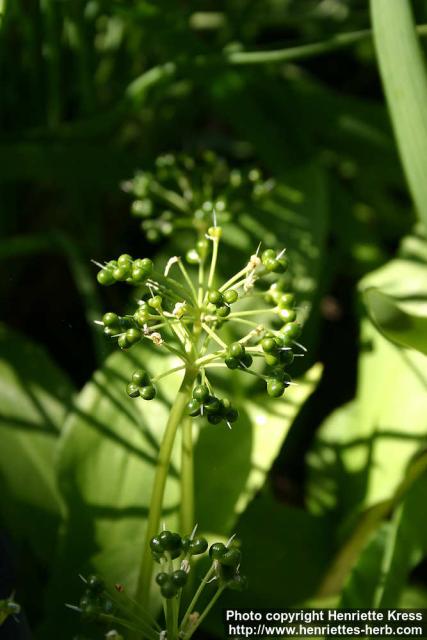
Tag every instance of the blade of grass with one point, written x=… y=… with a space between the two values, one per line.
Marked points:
x=403 y=73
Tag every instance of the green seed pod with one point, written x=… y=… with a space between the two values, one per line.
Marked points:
x=155 y=302
x=231 y=296
x=232 y=363
x=162 y=578
x=142 y=315
x=268 y=254
x=198 y=546
x=286 y=357
x=201 y=392
x=138 y=275
x=217 y=550
x=212 y=405
x=170 y=541
x=147 y=266
x=186 y=543
x=288 y=315
x=268 y=345
x=272 y=360
x=292 y=330
x=95 y=584
x=286 y=301
x=232 y=415
x=156 y=545
x=140 y=378
x=121 y=273
x=275 y=388
x=105 y=277
x=112 y=331
x=215 y=297
x=148 y=392
x=133 y=336
x=246 y=361
x=193 y=408
x=124 y=260
x=179 y=578
x=168 y=590
x=283 y=265
x=132 y=390
x=236 y=350
x=231 y=558
x=214 y=418
x=111 y=319
x=271 y=264
x=202 y=247
x=123 y=342
x=287 y=340
x=223 y=312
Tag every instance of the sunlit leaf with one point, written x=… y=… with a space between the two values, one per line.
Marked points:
x=34 y=396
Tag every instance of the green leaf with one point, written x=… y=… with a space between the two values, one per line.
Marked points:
x=396 y=300
x=34 y=398
x=404 y=78
x=360 y=455
x=234 y=463
x=393 y=550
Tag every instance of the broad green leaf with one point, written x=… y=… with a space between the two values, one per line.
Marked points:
x=360 y=455
x=107 y=459
x=34 y=397
x=404 y=78
x=234 y=464
x=396 y=300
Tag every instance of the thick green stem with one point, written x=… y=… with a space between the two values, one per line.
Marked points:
x=187 y=477
x=165 y=452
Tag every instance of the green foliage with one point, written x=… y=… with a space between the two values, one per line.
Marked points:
x=404 y=78
x=97 y=92
x=35 y=396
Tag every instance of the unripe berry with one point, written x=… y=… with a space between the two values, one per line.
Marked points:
x=105 y=277
x=215 y=297
x=148 y=392
x=133 y=336
x=168 y=590
x=231 y=296
x=179 y=578
x=232 y=363
x=231 y=558
x=201 y=392
x=162 y=578
x=223 y=312
x=268 y=254
x=292 y=330
x=275 y=388
x=217 y=550
x=132 y=390
x=140 y=378
x=110 y=319
x=236 y=350
x=198 y=546
x=155 y=302
x=193 y=408
x=169 y=540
